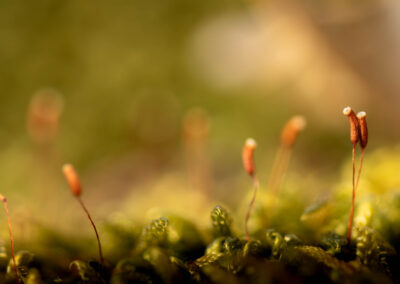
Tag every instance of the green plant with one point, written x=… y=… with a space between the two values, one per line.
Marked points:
x=172 y=249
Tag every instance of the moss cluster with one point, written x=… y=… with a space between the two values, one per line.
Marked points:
x=171 y=250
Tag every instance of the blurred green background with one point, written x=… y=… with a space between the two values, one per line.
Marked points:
x=128 y=73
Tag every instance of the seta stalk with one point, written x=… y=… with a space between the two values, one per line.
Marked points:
x=288 y=138
x=358 y=134
x=249 y=166
x=75 y=186
x=4 y=200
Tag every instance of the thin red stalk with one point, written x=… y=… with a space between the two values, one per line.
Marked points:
x=251 y=205
x=275 y=168
x=279 y=168
x=94 y=227
x=350 y=224
x=12 y=240
x=282 y=171
x=360 y=168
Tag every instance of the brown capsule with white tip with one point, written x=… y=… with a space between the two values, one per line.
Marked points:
x=362 y=118
x=72 y=178
x=248 y=156
x=354 y=124
x=291 y=129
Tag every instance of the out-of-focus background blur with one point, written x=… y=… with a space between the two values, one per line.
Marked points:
x=153 y=100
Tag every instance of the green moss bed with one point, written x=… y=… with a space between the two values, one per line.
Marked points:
x=172 y=250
